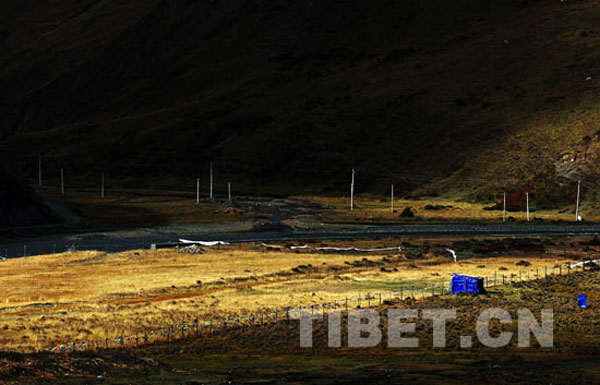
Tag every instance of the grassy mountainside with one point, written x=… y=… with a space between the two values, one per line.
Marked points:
x=466 y=97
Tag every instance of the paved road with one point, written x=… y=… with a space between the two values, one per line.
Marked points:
x=121 y=241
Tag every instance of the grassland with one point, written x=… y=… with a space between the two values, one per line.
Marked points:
x=129 y=206
x=270 y=353
x=273 y=355
x=377 y=210
x=138 y=206
x=90 y=296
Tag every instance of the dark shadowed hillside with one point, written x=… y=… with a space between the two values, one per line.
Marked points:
x=438 y=96
x=19 y=205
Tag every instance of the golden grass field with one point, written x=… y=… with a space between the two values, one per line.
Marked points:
x=369 y=209
x=130 y=206
x=90 y=296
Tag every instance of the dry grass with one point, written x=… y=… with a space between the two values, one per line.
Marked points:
x=93 y=295
x=139 y=206
x=370 y=209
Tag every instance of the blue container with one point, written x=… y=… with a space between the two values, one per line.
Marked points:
x=467 y=284
x=582 y=301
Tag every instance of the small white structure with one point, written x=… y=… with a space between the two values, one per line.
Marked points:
x=453 y=254
x=203 y=243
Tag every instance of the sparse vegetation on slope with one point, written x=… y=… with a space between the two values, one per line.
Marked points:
x=291 y=95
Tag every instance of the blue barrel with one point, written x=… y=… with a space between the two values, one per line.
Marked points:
x=582 y=301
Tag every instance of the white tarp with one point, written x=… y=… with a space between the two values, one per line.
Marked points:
x=271 y=246
x=331 y=248
x=328 y=248
x=398 y=248
x=375 y=250
x=583 y=263
x=203 y=243
x=300 y=247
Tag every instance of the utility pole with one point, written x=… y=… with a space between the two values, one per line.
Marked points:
x=102 y=187
x=211 y=180
x=197 y=191
x=527 y=195
x=504 y=209
x=352 y=192
x=40 y=171
x=392 y=200
x=577 y=205
x=62 y=181
x=229 y=190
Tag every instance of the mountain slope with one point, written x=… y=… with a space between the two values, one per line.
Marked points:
x=20 y=206
x=466 y=97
